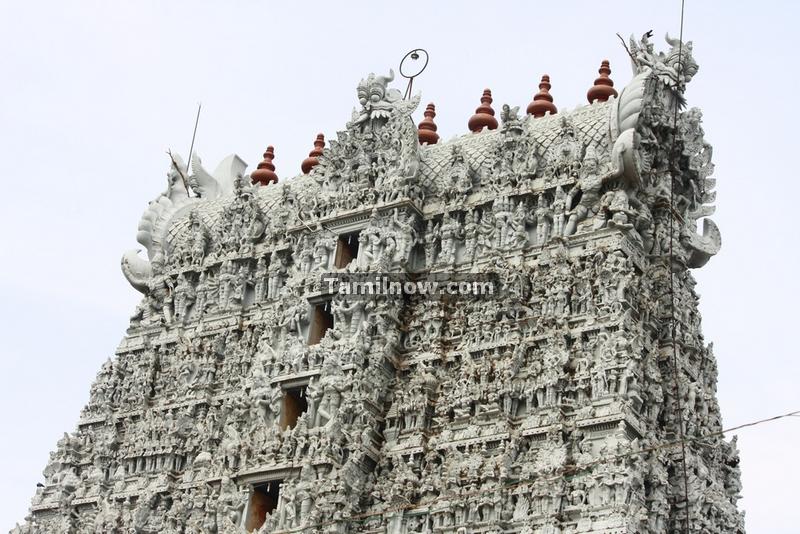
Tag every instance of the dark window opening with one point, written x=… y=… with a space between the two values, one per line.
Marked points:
x=346 y=249
x=263 y=501
x=295 y=404
x=321 y=321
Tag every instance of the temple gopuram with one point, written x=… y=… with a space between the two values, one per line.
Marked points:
x=494 y=334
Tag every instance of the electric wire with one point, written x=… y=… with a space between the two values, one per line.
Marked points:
x=561 y=474
x=673 y=320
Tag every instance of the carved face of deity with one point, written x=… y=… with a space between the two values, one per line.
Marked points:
x=590 y=165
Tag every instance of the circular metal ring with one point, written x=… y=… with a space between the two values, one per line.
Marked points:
x=414 y=55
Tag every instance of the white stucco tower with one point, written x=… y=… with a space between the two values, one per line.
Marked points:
x=494 y=334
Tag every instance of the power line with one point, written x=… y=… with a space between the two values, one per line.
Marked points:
x=559 y=474
x=673 y=321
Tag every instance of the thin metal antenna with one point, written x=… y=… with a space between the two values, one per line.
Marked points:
x=194 y=133
x=673 y=318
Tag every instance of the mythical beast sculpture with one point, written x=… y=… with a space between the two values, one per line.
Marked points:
x=645 y=112
x=176 y=200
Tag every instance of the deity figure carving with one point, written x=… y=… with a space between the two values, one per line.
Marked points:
x=589 y=185
x=471 y=235
x=565 y=151
x=432 y=242
x=459 y=176
x=448 y=412
x=406 y=235
x=450 y=231
x=677 y=65
x=544 y=220
x=331 y=386
x=185 y=297
x=277 y=273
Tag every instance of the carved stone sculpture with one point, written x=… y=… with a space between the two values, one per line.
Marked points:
x=529 y=392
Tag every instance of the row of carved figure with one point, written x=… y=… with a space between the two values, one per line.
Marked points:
x=232 y=458
x=606 y=165
x=485 y=483
x=234 y=286
x=387 y=242
x=234 y=451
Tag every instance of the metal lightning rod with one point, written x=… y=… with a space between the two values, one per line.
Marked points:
x=194 y=134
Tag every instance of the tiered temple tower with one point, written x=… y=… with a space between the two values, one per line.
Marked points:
x=542 y=370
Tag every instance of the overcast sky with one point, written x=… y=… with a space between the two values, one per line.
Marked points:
x=92 y=94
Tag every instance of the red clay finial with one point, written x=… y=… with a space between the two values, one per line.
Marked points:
x=265 y=173
x=484 y=115
x=313 y=156
x=603 y=88
x=543 y=100
x=427 y=128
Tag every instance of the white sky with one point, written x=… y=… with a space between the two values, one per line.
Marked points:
x=93 y=93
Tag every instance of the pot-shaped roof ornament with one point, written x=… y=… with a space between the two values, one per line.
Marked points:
x=265 y=173
x=543 y=100
x=484 y=114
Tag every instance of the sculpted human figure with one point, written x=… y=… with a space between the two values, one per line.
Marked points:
x=386 y=258
x=240 y=284
x=201 y=296
x=261 y=280
x=516 y=226
x=459 y=173
x=558 y=208
x=160 y=295
x=544 y=219
x=350 y=314
x=323 y=249
x=589 y=185
x=291 y=323
x=564 y=151
x=229 y=505
x=451 y=231
x=618 y=207
x=406 y=235
x=363 y=171
x=642 y=53
x=471 y=235
x=332 y=385
x=267 y=402
x=370 y=241
x=277 y=272
x=505 y=172
x=227 y=283
x=199 y=238
x=501 y=218
x=432 y=242
x=486 y=234
x=531 y=167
